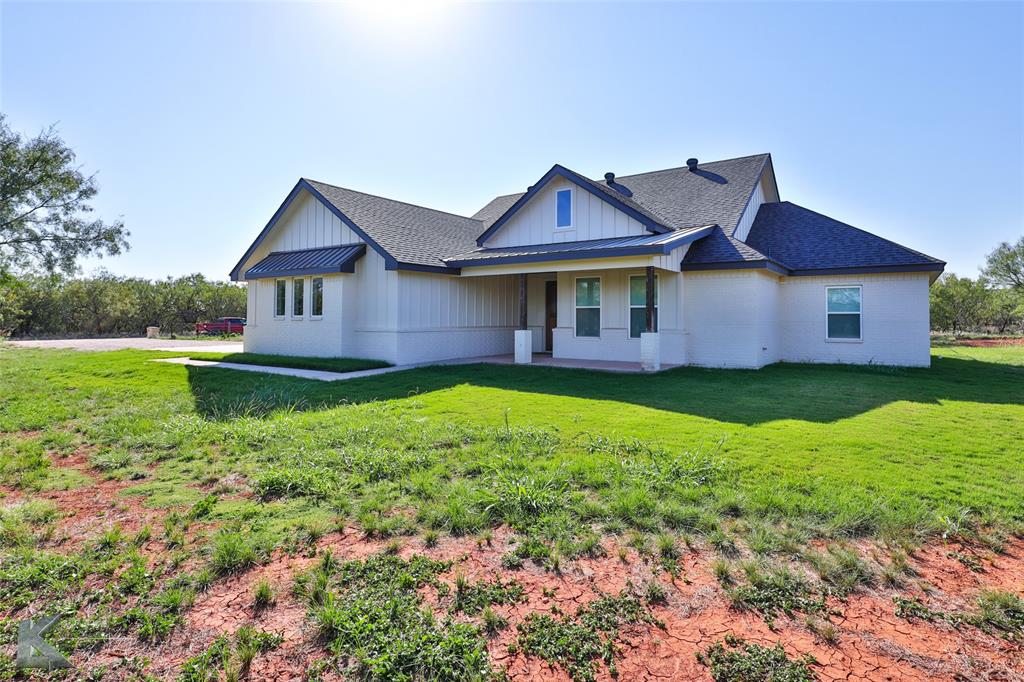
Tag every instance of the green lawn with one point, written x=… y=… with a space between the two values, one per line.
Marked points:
x=734 y=464
x=790 y=449
x=294 y=361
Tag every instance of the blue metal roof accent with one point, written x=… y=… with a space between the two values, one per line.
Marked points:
x=644 y=245
x=323 y=261
x=603 y=192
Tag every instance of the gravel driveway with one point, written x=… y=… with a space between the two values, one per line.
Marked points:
x=212 y=346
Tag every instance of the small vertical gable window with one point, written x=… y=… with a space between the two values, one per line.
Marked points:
x=843 y=310
x=563 y=208
x=638 y=305
x=588 y=306
x=280 y=297
x=318 y=297
x=298 y=297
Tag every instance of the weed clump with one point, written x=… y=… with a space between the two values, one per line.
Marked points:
x=579 y=643
x=774 y=591
x=371 y=617
x=736 y=660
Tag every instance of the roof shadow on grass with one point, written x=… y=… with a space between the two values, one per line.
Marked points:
x=813 y=393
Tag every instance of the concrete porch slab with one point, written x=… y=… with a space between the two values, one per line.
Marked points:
x=545 y=360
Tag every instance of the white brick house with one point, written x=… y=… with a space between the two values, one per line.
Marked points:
x=700 y=265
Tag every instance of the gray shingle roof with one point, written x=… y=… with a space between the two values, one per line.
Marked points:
x=716 y=192
x=784 y=236
x=308 y=261
x=803 y=240
x=410 y=234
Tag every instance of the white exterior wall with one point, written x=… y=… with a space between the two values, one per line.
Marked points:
x=443 y=316
x=614 y=342
x=593 y=218
x=731 y=318
x=294 y=335
x=360 y=309
x=894 y=320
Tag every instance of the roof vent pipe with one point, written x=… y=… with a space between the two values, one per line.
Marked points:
x=609 y=178
x=692 y=164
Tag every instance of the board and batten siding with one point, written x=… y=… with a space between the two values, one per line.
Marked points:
x=593 y=218
x=750 y=212
x=442 y=317
x=357 y=307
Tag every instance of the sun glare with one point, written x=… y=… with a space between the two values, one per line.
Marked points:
x=400 y=20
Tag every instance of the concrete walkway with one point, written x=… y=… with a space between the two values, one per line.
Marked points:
x=212 y=346
x=317 y=374
x=540 y=359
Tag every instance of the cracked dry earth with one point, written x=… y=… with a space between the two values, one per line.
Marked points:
x=871 y=642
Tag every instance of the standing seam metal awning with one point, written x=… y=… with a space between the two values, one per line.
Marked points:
x=323 y=261
x=609 y=247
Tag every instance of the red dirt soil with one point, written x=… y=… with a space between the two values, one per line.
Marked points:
x=871 y=642
x=989 y=343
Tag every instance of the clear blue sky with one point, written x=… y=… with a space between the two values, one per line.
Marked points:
x=904 y=119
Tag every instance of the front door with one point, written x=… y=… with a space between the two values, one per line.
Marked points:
x=550 y=312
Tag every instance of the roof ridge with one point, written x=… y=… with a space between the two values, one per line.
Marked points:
x=397 y=201
x=870 y=234
x=675 y=168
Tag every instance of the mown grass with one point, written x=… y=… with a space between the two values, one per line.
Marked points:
x=739 y=462
x=844 y=451
x=293 y=361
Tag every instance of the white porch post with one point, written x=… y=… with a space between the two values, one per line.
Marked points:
x=650 y=345
x=524 y=338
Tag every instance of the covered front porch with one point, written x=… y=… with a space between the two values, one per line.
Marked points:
x=616 y=300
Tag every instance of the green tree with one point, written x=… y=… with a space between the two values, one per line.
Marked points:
x=957 y=303
x=44 y=206
x=1005 y=265
x=1005 y=309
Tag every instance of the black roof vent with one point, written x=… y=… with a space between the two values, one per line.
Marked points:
x=609 y=178
x=692 y=164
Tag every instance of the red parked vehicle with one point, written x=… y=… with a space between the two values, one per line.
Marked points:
x=223 y=325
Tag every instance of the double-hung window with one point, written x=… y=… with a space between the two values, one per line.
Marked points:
x=563 y=209
x=843 y=310
x=318 y=297
x=298 y=297
x=638 y=305
x=588 y=306
x=280 y=296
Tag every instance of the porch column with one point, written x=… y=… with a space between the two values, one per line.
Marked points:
x=524 y=339
x=650 y=348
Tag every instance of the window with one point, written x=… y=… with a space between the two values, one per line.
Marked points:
x=318 y=297
x=563 y=208
x=298 y=291
x=843 y=310
x=638 y=305
x=279 y=298
x=588 y=306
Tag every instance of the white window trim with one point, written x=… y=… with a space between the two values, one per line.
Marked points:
x=274 y=304
x=322 y=289
x=572 y=209
x=859 y=339
x=630 y=306
x=304 y=299
x=600 y=314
